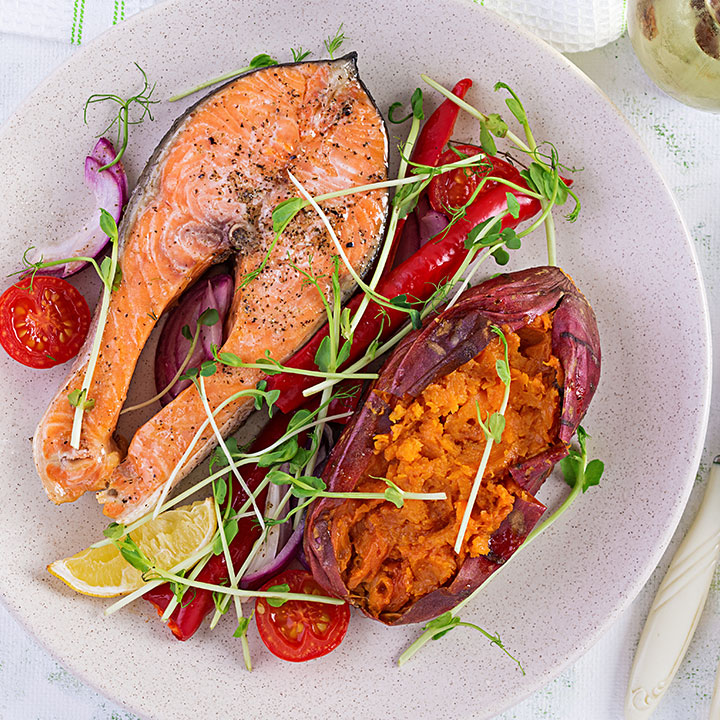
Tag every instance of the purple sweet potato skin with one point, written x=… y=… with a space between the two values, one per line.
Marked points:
x=448 y=341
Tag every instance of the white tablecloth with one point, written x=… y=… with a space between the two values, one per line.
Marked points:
x=686 y=145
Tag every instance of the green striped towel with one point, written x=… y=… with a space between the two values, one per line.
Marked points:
x=72 y=21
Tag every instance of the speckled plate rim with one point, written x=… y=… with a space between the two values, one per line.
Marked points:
x=651 y=561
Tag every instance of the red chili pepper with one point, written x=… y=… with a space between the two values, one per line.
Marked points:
x=439 y=128
x=418 y=276
x=199 y=603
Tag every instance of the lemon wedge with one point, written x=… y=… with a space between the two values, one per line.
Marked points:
x=170 y=538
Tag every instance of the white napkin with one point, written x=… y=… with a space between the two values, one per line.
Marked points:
x=569 y=25
x=72 y=21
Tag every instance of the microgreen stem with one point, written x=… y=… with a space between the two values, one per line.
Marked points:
x=221 y=441
x=471 y=110
x=392 y=224
x=311 y=373
x=545 y=204
x=485 y=457
x=41 y=264
x=233 y=580
x=259 y=61
x=225 y=590
x=183 y=565
x=379 y=299
x=382 y=496
x=412 y=179
x=176 y=377
x=142 y=98
x=207 y=84
x=109 y=224
x=471 y=273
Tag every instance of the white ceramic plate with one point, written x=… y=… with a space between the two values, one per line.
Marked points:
x=628 y=252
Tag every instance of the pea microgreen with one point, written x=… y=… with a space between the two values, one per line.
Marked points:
x=308 y=486
x=114 y=531
x=271 y=366
x=111 y=280
x=124 y=118
x=178 y=589
x=207 y=318
x=230 y=529
x=513 y=205
x=77 y=399
x=493 y=433
x=441 y=626
x=577 y=470
x=513 y=103
x=243 y=625
x=259 y=61
x=402 y=302
x=278 y=601
x=486 y=139
x=219 y=486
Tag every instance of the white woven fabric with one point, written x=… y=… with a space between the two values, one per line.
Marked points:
x=72 y=21
x=569 y=25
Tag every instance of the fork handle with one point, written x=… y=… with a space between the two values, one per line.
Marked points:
x=677 y=607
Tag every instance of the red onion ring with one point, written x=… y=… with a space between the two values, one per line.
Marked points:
x=421 y=225
x=110 y=188
x=216 y=292
x=288 y=552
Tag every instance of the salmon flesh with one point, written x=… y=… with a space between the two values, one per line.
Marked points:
x=208 y=192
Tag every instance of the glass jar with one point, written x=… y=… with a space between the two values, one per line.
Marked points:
x=678 y=44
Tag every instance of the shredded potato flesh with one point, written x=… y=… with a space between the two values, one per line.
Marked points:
x=388 y=556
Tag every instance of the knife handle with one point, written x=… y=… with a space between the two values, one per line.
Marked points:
x=677 y=607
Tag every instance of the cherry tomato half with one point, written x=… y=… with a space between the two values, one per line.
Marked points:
x=44 y=322
x=453 y=189
x=300 y=630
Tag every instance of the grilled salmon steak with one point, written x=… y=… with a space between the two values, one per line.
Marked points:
x=208 y=192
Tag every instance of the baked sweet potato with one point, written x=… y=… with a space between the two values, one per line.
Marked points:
x=418 y=427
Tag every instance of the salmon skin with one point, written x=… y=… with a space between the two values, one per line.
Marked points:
x=208 y=192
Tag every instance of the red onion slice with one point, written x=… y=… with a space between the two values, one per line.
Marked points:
x=216 y=292
x=273 y=566
x=284 y=544
x=104 y=153
x=110 y=188
x=430 y=225
x=421 y=225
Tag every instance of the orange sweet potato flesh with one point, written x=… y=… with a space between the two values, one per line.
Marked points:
x=389 y=557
